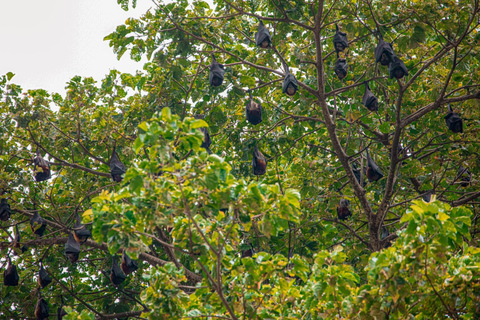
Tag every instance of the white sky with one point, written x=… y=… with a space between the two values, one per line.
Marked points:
x=47 y=42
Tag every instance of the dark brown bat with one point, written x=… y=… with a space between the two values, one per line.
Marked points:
x=80 y=232
x=341 y=68
x=427 y=196
x=464 y=175
x=397 y=68
x=10 y=275
x=357 y=174
x=262 y=37
x=217 y=73
x=454 y=121
x=5 y=211
x=42 y=168
x=290 y=85
x=384 y=52
x=207 y=141
x=340 y=41
x=43 y=277
x=385 y=234
x=72 y=249
x=41 y=309
x=117 y=168
x=343 y=212
x=369 y=100
x=128 y=265
x=253 y=111
x=17 y=240
x=373 y=171
x=116 y=275
x=259 y=163
x=248 y=252
x=38 y=224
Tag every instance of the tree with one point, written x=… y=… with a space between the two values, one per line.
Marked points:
x=211 y=239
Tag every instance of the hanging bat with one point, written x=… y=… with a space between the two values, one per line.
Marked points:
x=453 y=121
x=341 y=68
x=41 y=309
x=427 y=196
x=259 y=163
x=369 y=99
x=5 y=211
x=128 y=265
x=117 y=168
x=10 y=275
x=80 y=232
x=290 y=85
x=207 y=141
x=384 y=52
x=42 y=168
x=60 y=311
x=357 y=174
x=373 y=171
x=38 y=224
x=385 y=234
x=43 y=277
x=340 y=41
x=72 y=249
x=249 y=252
x=343 y=212
x=262 y=37
x=216 y=73
x=16 y=241
x=253 y=111
x=116 y=275
x=397 y=68
x=464 y=175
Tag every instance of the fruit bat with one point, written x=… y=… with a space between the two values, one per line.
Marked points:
x=5 y=210
x=262 y=37
x=60 y=311
x=369 y=99
x=357 y=174
x=385 y=234
x=216 y=73
x=42 y=168
x=373 y=171
x=259 y=163
x=117 y=168
x=41 y=309
x=464 y=175
x=341 y=68
x=453 y=121
x=290 y=85
x=72 y=249
x=43 y=277
x=397 y=68
x=10 y=275
x=116 y=275
x=249 y=252
x=80 y=232
x=340 y=41
x=17 y=240
x=128 y=265
x=253 y=111
x=207 y=141
x=384 y=52
x=427 y=197
x=343 y=212
x=38 y=224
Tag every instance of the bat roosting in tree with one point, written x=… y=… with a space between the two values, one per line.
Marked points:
x=373 y=171
x=397 y=68
x=42 y=168
x=385 y=234
x=248 y=252
x=453 y=121
x=116 y=275
x=117 y=168
x=290 y=85
x=128 y=265
x=10 y=275
x=43 y=277
x=5 y=210
x=340 y=41
x=262 y=37
x=253 y=111
x=464 y=175
x=38 y=224
x=72 y=249
x=207 y=141
x=341 y=68
x=216 y=73
x=357 y=174
x=17 y=240
x=369 y=100
x=427 y=197
x=80 y=232
x=259 y=163
x=41 y=309
x=343 y=212
x=384 y=52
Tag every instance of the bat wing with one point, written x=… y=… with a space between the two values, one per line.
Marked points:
x=289 y=80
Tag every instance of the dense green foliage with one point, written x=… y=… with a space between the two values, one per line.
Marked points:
x=192 y=218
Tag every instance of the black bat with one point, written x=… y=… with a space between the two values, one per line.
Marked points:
x=72 y=249
x=41 y=309
x=454 y=121
x=464 y=175
x=343 y=212
x=397 y=68
x=42 y=169
x=116 y=275
x=385 y=234
x=340 y=41
x=17 y=240
x=207 y=141
x=80 y=232
x=253 y=111
x=373 y=171
x=128 y=265
x=60 y=311
x=5 y=211
x=357 y=174
x=43 y=277
x=259 y=163
x=369 y=100
x=290 y=85
x=427 y=196
x=248 y=252
x=216 y=73
x=117 y=168
x=341 y=68
x=384 y=52
x=262 y=37
x=10 y=275
x=38 y=224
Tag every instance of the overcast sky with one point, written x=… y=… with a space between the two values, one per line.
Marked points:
x=47 y=42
